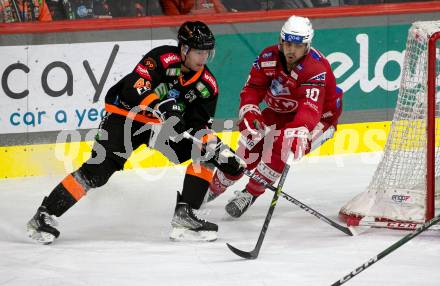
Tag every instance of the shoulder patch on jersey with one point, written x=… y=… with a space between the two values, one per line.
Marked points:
x=267 y=55
x=211 y=81
x=315 y=55
x=150 y=63
x=169 y=58
x=142 y=71
x=319 y=77
x=268 y=64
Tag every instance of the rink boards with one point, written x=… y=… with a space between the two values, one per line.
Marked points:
x=61 y=158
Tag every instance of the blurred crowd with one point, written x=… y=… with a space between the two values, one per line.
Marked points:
x=49 y=10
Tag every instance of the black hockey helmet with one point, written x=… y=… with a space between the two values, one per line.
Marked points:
x=196 y=35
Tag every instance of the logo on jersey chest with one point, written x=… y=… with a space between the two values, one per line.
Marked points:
x=173 y=72
x=277 y=88
x=268 y=64
x=190 y=95
x=282 y=105
x=173 y=93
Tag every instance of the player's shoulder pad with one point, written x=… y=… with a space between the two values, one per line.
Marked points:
x=312 y=70
x=207 y=84
x=166 y=56
x=268 y=58
x=152 y=61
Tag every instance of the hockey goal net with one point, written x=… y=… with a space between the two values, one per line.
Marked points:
x=403 y=188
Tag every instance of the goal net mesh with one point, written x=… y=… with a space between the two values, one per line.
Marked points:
x=397 y=190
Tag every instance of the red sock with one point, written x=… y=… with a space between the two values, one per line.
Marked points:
x=221 y=181
x=270 y=172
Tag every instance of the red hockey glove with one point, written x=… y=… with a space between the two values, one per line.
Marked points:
x=251 y=125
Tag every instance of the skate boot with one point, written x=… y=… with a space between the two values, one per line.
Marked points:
x=186 y=226
x=240 y=203
x=41 y=227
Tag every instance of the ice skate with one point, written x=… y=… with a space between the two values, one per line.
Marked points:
x=186 y=226
x=41 y=227
x=240 y=203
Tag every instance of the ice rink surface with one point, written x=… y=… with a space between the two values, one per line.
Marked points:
x=118 y=235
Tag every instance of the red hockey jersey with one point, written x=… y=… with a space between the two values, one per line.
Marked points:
x=303 y=97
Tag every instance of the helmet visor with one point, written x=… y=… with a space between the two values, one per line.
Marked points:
x=208 y=54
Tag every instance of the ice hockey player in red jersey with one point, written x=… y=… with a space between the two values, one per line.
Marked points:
x=170 y=88
x=296 y=83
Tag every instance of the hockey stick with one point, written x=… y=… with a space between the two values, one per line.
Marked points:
x=253 y=254
x=387 y=251
x=291 y=199
x=315 y=213
x=303 y=206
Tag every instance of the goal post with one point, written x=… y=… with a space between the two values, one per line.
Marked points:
x=403 y=187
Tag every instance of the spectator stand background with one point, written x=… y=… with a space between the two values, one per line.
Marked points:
x=86 y=9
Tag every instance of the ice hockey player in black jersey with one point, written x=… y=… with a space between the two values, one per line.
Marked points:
x=169 y=92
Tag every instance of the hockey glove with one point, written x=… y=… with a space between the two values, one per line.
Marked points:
x=168 y=108
x=223 y=157
x=295 y=140
x=251 y=125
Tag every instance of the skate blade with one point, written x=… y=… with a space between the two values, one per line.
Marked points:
x=184 y=234
x=40 y=237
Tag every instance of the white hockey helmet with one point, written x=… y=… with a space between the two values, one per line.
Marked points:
x=297 y=30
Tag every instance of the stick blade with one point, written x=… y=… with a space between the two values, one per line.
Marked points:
x=349 y=231
x=243 y=254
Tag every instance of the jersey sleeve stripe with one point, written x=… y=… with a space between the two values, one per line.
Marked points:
x=148 y=100
x=137 y=117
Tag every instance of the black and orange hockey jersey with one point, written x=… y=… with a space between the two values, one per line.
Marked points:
x=158 y=76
